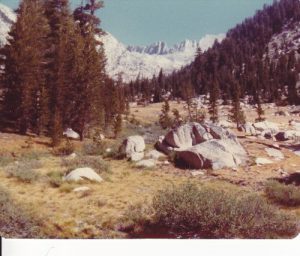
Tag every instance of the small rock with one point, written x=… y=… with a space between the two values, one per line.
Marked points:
x=70 y=133
x=81 y=189
x=166 y=163
x=82 y=174
x=275 y=153
x=72 y=156
x=154 y=154
x=135 y=157
x=108 y=150
x=263 y=161
x=197 y=173
x=149 y=163
x=297 y=152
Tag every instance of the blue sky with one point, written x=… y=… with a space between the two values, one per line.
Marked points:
x=141 y=22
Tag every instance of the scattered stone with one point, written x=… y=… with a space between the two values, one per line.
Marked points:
x=248 y=129
x=149 y=163
x=282 y=113
x=287 y=135
x=82 y=174
x=166 y=163
x=135 y=157
x=154 y=154
x=266 y=125
x=108 y=150
x=69 y=133
x=276 y=146
x=297 y=152
x=81 y=189
x=133 y=144
x=72 y=156
x=277 y=154
x=197 y=173
x=263 y=161
x=267 y=134
x=226 y=124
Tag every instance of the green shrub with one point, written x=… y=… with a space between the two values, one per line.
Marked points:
x=213 y=213
x=55 y=179
x=136 y=218
x=24 y=171
x=94 y=148
x=94 y=162
x=6 y=160
x=288 y=195
x=65 y=150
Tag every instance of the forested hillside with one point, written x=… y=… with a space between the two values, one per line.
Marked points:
x=241 y=62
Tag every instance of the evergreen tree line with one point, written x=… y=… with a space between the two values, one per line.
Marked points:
x=239 y=63
x=53 y=71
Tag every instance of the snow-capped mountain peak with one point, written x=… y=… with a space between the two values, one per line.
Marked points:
x=146 y=61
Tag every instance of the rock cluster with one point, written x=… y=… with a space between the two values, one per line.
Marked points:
x=203 y=146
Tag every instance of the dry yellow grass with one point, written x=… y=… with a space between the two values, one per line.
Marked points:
x=96 y=214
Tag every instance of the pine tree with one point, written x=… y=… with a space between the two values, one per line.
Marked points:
x=213 y=101
x=24 y=60
x=177 y=118
x=59 y=69
x=118 y=125
x=93 y=67
x=165 y=120
x=237 y=114
x=259 y=109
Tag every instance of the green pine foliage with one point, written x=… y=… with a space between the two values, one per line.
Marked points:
x=213 y=102
x=237 y=114
x=54 y=71
x=24 y=61
x=165 y=119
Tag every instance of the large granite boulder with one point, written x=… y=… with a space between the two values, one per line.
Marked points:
x=203 y=146
x=133 y=147
x=213 y=154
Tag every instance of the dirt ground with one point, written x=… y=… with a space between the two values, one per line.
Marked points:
x=99 y=212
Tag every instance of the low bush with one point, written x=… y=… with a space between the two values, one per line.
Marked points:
x=65 y=150
x=288 y=195
x=94 y=148
x=6 y=160
x=94 y=162
x=209 y=212
x=24 y=171
x=136 y=218
x=55 y=179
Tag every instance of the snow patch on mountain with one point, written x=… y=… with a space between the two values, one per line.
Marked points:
x=286 y=41
x=129 y=62
x=7 y=18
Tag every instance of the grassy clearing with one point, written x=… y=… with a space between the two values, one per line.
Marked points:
x=14 y=221
x=210 y=212
x=287 y=195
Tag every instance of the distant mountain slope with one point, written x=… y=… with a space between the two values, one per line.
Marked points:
x=258 y=58
x=7 y=18
x=130 y=62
